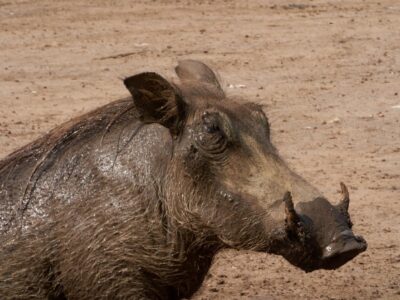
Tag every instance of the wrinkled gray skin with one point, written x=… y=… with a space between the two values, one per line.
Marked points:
x=134 y=199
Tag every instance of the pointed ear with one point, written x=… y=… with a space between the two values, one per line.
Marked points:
x=157 y=101
x=196 y=71
x=294 y=226
x=291 y=219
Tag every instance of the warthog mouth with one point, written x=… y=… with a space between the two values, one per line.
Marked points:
x=342 y=249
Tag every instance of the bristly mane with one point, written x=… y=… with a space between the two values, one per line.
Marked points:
x=46 y=149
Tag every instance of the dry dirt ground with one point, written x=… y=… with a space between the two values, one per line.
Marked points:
x=327 y=73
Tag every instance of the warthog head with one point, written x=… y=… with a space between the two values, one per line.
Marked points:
x=226 y=183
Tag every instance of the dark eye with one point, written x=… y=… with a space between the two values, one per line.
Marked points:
x=211 y=139
x=210 y=122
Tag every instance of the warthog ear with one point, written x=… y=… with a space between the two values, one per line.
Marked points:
x=292 y=219
x=196 y=71
x=293 y=223
x=157 y=101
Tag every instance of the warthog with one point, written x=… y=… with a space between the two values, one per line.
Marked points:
x=134 y=199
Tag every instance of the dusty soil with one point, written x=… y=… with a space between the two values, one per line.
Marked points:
x=328 y=73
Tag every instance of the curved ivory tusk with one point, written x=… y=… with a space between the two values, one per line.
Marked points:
x=345 y=201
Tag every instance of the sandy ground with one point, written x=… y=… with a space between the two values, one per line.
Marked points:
x=328 y=73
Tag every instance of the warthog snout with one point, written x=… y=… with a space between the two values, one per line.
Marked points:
x=326 y=231
x=343 y=248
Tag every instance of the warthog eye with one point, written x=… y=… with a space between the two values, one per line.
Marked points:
x=212 y=138
x=210 y=122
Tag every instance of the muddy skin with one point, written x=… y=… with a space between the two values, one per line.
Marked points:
x=134 y=199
